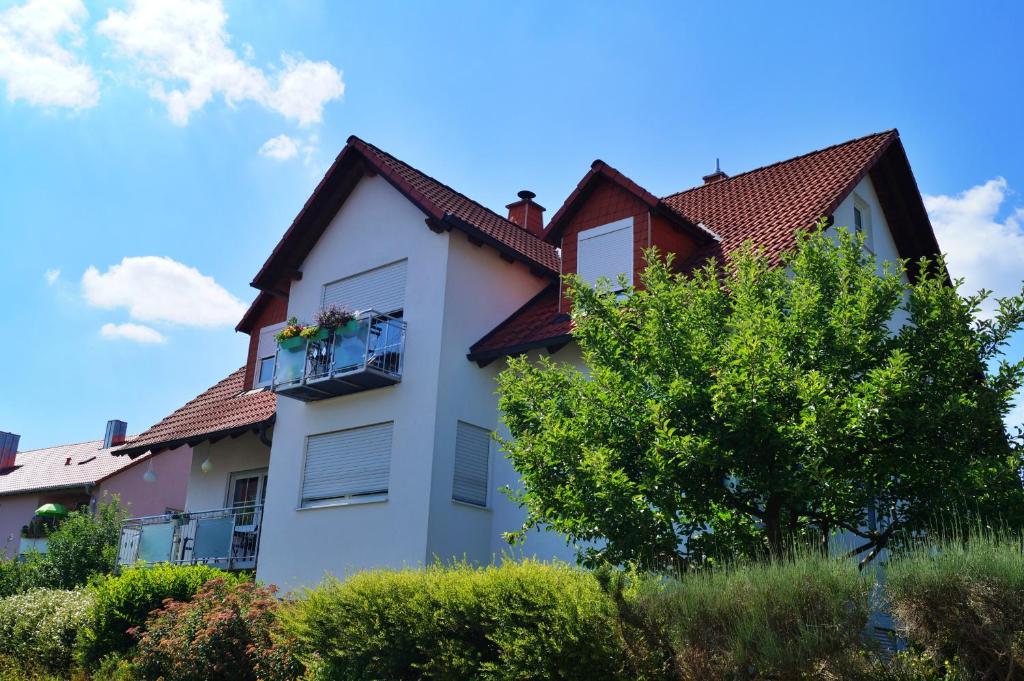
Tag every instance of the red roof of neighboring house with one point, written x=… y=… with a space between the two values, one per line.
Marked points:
x=444 y=207
x=224 y=409
x=61 y=467
x=766 y=206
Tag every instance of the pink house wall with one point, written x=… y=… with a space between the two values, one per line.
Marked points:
x=15 y=512
x=151 y=498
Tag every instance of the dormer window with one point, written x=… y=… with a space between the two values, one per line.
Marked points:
x=862 y=222
x=606 y=252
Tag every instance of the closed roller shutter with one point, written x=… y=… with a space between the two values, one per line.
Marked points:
x=472 y=454
x=606 y=251
x=381 y=289
x=355 y=462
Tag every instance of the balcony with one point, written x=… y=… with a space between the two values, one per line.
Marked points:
x=227 y=538
x=367 y=353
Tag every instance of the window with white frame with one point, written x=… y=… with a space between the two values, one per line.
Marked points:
x=265 y=352
x=346 y=465
x=862 y=221
x=606 y=252
x=381 y=289
x=472 y=458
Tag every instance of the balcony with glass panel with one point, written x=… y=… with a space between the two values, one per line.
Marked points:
x=227 y=538
x=364 y=354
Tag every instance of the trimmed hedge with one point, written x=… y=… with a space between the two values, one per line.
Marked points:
x=125 y=601
x=517 y=621
x=38 y=628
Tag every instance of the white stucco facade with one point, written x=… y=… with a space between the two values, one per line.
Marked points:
x=210 y=490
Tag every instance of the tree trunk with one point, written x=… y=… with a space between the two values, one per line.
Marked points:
x=773 y=524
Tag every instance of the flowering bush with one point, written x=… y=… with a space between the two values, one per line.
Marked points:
x=309 y=332
x=125 y=601
x=333 y=316
x=227 y=632
x=38 y=627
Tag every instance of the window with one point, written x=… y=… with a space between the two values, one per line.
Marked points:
x=606 y=251
x=347 y=464
x=266 y=349
x=862 y=221
x=381 y=289
x=472 y=455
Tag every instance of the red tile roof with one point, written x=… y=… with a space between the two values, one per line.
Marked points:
x=60 y=467
x=224 y=409
x=767 y=206
x=445 y=209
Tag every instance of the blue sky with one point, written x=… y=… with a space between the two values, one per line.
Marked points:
x=131 y=132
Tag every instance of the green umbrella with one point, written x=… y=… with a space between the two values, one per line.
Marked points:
x=51 y=510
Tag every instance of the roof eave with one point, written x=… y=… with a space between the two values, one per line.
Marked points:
x=190 y=440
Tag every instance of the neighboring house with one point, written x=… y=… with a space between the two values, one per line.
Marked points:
x=381 y=452
x=81 y=475
x=224 y=435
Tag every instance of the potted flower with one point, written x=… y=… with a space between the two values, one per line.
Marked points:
x=334 y=317
x=290 y=337
x=313 y=332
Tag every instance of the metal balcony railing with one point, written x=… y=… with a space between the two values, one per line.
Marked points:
x=366 y=353
x=228 y=538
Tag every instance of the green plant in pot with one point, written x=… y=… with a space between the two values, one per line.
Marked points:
x=290 y=337
x=334 y=317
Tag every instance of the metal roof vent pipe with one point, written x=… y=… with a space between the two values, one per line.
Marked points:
x=8 y=449
x=117 y=430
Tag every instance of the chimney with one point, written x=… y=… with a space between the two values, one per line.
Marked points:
x=8 y=449
x=527 y=214
x=716 y=176
x=115 y=434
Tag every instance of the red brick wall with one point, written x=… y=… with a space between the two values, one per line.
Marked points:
x=608 y=202
x=274 y=311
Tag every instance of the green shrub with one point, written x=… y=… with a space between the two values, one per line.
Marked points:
x=38 y=627
x=125 y=601
x=83 y=545
x=226 y=632
x=787 y=619
x=518 y=621
x=963 y=601
x=18 y=576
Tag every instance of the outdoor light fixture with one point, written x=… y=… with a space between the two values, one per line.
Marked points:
x=206 y=466
x=150 y=474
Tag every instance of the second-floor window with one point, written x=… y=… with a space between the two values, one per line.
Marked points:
x=381 y=289
x=606 y=251
x=346 y=465
x=862 y=222
x=265 y=349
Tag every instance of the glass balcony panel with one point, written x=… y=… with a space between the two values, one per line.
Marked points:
x=156 y=542
x=212 y=540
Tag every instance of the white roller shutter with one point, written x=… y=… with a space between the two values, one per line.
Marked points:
x=606 y=251
x=347 y=463
x=472 y=454
x=381 y=289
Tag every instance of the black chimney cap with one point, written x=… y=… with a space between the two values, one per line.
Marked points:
x=526 y=195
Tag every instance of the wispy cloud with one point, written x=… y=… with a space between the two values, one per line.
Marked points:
x=183 y=48
x=985 y=249
x=38 y=58
x=138 y=333
x=51 y=276
x=280 y=148
x=160 y=289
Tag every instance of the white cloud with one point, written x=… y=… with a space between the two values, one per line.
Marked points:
x=35 y=59
x=988 y=252
x=280 y=148
x=159 y=289
x=133 y=332
x=52 y=276
x=182 y=46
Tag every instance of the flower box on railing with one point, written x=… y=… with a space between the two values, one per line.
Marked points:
x=363 y=353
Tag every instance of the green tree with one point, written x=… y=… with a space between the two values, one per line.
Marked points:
x=83 y=545
x=734 y=411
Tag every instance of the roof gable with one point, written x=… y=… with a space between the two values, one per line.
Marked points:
x=443 y=207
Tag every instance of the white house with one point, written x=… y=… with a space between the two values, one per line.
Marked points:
x=380 y=451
